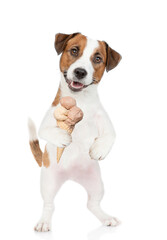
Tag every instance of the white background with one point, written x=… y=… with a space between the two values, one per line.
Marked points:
x=134 y=95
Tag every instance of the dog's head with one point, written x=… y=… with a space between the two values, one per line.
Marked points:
x=84 y=60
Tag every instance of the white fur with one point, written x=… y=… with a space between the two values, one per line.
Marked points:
x=92 y=139
x=84 y=62
x=32 y=130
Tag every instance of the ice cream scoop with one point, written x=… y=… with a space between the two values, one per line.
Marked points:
x=61 y=113
x=68 y=102
x=74 y=115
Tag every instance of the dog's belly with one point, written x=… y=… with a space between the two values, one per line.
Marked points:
x=77 y=153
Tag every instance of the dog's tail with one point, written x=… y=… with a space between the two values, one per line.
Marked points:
x=34 y=143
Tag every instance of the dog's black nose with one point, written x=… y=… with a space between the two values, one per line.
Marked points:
x=80 y=73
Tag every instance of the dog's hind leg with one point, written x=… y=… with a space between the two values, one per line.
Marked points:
x=93 y=184
x=51 y=181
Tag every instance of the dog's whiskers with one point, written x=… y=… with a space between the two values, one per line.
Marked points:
x=65 y=73
x=94 y=80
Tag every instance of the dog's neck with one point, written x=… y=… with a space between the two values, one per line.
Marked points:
x=88 y=95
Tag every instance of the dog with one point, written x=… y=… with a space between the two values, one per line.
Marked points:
x=82 y=64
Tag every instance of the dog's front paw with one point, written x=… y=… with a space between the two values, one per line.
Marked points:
x=100 y=148
x=64 y=138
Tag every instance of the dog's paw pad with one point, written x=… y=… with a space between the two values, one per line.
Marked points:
x=42 y=227
x=112 y=222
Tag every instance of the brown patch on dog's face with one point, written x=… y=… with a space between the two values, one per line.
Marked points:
x=103 y=57
x=98 y=60
x=73 y=50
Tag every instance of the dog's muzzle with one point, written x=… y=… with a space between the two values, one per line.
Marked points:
x=76 y=85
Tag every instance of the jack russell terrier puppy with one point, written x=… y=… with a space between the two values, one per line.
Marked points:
x=82 y=65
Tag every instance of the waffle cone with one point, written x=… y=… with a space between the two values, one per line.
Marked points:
x=62 y=125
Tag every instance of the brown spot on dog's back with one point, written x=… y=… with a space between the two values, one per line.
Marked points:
x=57 y=98
x=99 y=67
x=45 y=158
x=67 y=59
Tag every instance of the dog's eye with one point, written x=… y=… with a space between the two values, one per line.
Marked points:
x=97 y=59
x=74 y=51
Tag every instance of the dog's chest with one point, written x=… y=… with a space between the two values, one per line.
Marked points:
x=83 y=137
x=85 y=132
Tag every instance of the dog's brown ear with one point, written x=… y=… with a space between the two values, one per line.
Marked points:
x=61 y=40
x=113 y=58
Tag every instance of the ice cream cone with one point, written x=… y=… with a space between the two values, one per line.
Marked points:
x=67 y=115
x=69 y=129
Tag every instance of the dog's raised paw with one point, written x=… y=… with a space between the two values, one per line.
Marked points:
x=64 y=138
x=42 y=227
x=112 y=222
x=99 y=149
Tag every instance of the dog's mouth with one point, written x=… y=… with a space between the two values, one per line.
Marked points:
x=74 y=85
